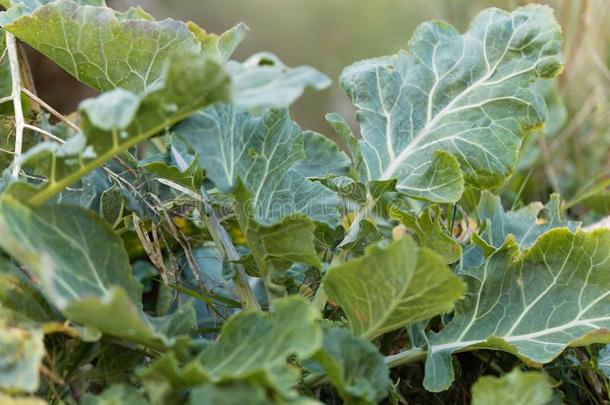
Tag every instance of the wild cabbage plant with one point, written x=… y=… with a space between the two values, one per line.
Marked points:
x=180 y=239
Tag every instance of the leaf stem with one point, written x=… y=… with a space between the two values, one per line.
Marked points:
x=224 y=244
x=405 y=357
x=11 y=46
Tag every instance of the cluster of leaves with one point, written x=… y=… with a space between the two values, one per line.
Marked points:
x=185 y=241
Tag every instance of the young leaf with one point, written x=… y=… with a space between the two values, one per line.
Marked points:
x=21 y=351
x=277 y=246
x=354 y=366
x=454 y=108
x=259 y=151
x=391 y=286
x=220 y=46
x=118 y=120
x=525 y=224
x=430 y=232
x=84 y=270
x=532 y=304
x=514 y=388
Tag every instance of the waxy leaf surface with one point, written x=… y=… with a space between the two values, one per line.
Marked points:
x=84 y=270
x=98 y=48
x=533 y=304
x=391 y=286
x=453 y=108
x=260 y=152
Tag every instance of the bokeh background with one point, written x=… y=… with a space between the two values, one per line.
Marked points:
x=330 y=34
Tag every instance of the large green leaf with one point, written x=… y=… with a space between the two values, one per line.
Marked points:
x=118 y=120
x=255 y=343
x=514 y=388
x=107 y=49
x=533 y=304
x=355 y=367
x=391 y=286
x=454 y=108
x=21 y=351
x=253 y=346
x=259 y=151
x=84 y=270
x=98 y=48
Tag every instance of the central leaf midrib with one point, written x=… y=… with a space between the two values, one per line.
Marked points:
x=404 y=155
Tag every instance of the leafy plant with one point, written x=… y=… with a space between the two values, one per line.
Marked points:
x=180 y=239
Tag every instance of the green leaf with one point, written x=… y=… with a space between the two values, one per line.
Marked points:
x=27 y=6
x=112 y=205
x=116 y=395
x=514 y=388
x=253 y=346
x=368 y=234
x=264 y=81
x=355 y=367
x=232 y=393
x=84 y=270
x=259 y=151
x=453 y=108
x=322 y=157
x=533 y=304
x=525 y=224
x=277 y=246
x=258 y=344
x=98 y=48
x=118 y=120
x=21 y=351
x=430 y=232
x=346 y=187
x=344 y=132
x=558 y=112
x=392 y=285
x=22 y=298
x=220 y=46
